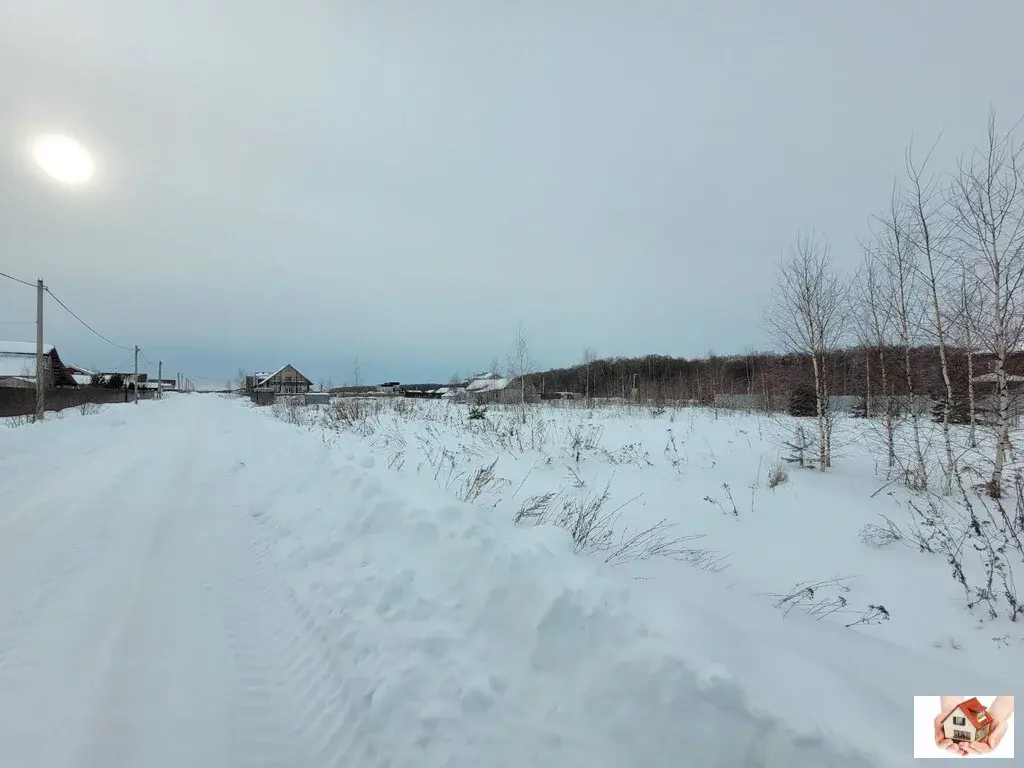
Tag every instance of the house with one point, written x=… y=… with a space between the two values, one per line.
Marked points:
x=494 y=388
x=970 y=721
x=453 y=394
x=18 y=366
x=424 y=394
x=389 y=388
x=286 y=380
x=82 y=376
x=253 y=380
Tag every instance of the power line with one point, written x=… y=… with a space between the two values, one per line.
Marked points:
x=100 y=335
x=18 y=280
x=122 y=365
x=84 y=324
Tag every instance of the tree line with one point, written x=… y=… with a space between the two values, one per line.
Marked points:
x=770 y=376
x=935 y=312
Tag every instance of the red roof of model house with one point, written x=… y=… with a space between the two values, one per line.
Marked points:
x=975 y=712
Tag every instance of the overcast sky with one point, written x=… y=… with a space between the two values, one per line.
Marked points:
x=312 y=181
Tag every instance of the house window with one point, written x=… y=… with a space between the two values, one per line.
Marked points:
x=962 y=735
x=959 y=721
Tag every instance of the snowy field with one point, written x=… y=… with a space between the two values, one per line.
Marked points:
x=199 y=582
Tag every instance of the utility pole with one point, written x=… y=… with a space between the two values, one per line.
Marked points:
x=160 y=380
x=40 y=367
x=136 y=374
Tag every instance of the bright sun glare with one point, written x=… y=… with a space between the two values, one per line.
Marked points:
x=63 y=159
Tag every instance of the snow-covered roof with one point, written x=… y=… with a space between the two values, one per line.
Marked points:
x=22 y=348
x=18 y=358
x=487 y=384
x=81 y=378
x=267 y=377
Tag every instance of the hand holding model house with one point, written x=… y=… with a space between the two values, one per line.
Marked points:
x=964 y=726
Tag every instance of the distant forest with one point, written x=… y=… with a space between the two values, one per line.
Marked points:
x=851 y=371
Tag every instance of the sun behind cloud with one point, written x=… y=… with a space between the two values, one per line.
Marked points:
x=63 y=159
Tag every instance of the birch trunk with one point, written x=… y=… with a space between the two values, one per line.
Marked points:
x=890 y=427
x=973 y=434
x=823 y=448
x=867 y=385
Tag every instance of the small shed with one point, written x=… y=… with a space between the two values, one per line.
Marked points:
x=263 y=396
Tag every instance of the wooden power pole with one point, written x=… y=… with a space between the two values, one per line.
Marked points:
x=40 y=365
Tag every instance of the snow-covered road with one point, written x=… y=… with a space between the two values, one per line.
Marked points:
x=138 y=626
x=194 y=583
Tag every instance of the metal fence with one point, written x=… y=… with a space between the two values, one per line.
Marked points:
x=18 y=401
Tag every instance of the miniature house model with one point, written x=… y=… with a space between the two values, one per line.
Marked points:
x=970 y=721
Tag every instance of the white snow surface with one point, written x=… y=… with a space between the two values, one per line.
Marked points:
x=190 y=583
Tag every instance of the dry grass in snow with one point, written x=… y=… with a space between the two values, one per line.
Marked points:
x=660 y=491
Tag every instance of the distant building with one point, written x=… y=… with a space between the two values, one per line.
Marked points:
x=18 y=366
x=494 y=388
x=286 y=380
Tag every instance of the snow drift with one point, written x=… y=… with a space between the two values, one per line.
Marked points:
x=408 y=630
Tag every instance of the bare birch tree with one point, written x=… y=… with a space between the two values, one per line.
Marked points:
x=898 y=258
x=929 y=237
x=589 y=358
x=987 y=198
x=969 y=310
x=520 y=365
x=806 y=316
x=875 y=312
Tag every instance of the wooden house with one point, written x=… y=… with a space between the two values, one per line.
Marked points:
x=286 y=380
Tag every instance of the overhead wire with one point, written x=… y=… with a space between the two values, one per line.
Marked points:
x=89 y=327
x=18 y=280
x=84 y=324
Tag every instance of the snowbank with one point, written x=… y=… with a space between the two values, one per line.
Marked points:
x=425 y=632
x=468 y=641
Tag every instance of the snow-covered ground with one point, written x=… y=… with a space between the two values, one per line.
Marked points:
x=194 y=582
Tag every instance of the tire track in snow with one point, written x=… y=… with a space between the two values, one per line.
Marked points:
x=312 y=686
x=227 y=696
